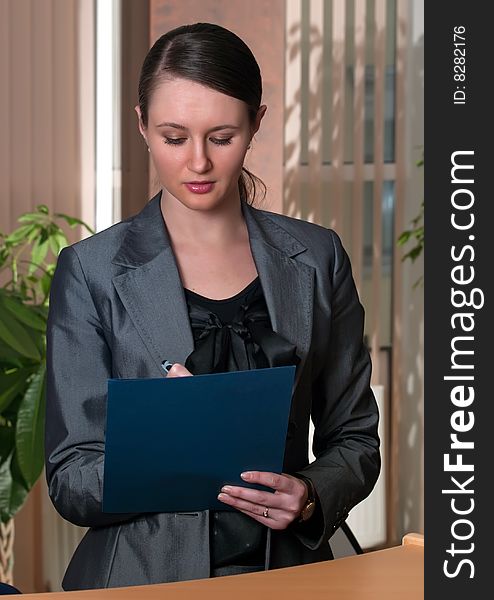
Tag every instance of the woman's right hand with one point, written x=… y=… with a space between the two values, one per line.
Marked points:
x=178 y=370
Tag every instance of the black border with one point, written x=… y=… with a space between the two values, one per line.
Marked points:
x=453 y=127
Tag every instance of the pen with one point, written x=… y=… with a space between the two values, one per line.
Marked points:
x=166 y=365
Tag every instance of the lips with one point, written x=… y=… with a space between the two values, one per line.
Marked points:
x=200 y=187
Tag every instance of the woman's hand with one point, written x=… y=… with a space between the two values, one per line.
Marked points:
x=276 y=510
x=178 y=370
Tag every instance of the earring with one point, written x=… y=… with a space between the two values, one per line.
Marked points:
x=149 y=149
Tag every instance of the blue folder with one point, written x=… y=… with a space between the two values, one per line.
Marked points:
x=172 y=443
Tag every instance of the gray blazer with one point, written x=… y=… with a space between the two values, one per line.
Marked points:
x=117 y=309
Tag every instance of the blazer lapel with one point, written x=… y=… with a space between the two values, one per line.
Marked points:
x=151 y=290
x=288 y=284
x=152 y=293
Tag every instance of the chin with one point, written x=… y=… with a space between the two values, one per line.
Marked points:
x=201 y=202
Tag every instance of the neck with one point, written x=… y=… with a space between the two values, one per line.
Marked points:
x=218 y=226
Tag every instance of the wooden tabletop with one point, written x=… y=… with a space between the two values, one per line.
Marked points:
x=381 y=575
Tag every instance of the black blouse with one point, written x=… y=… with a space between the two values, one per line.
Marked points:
x=235 y=334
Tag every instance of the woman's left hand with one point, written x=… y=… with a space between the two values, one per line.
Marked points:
x=276 y=510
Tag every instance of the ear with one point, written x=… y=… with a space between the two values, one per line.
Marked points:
x=260 y=114
x=142 y=129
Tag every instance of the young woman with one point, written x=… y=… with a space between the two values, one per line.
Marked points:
x=204 y=280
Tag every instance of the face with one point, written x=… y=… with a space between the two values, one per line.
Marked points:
x=198 y=139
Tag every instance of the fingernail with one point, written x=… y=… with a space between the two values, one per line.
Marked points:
x=226 y=488
x=221 y=496
x=246 y=475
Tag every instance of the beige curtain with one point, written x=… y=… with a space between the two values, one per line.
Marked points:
x=46 y=157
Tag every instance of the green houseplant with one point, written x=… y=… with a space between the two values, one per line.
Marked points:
x=27 y=262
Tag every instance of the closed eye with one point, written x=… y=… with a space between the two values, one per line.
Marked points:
x=221 y=141
x=180 y=141
x=174 y=141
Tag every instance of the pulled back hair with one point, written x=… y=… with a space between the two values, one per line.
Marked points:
x=212 y=56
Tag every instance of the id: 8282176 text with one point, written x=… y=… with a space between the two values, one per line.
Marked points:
x=459 y=66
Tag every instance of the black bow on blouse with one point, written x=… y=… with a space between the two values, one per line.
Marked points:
x=248 y=342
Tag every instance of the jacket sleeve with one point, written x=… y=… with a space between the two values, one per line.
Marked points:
x=344 y=412
x=78 y=367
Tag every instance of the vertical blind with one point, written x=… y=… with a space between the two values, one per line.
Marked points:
x=43 y=109
x=344 y=161
x=340 y=166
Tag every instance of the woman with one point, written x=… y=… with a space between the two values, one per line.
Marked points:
x=204 y=281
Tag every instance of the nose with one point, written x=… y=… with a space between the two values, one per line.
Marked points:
x=199 y=161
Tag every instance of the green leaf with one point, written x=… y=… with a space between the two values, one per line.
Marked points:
x=42 y=311
x=61 y=240
x=38 y=253
x=42 y=208
x=6 y=484
x=32 y=217
x=57 y=241
x=7 y=442
x=39 y=339
x=15 y=336
x=30 y=429
x=24 y=313
x=44 y=234
x=419 y=233
x=404 y=237
x=8 y=356
x=20 y=234
x=53 y=245
x=12 y=384
x=415 y=253
x=73 y=222
x=34 y=234
x=10 y=413
x=4 y=255
x=13 y=492
x=45 y=282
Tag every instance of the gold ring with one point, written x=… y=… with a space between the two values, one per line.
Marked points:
x=266 y=512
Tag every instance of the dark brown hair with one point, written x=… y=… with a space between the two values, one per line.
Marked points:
x=212 y=56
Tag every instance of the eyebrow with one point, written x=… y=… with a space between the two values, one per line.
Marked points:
x=183 y=128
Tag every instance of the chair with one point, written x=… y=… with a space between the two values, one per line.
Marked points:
x=344 y=543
